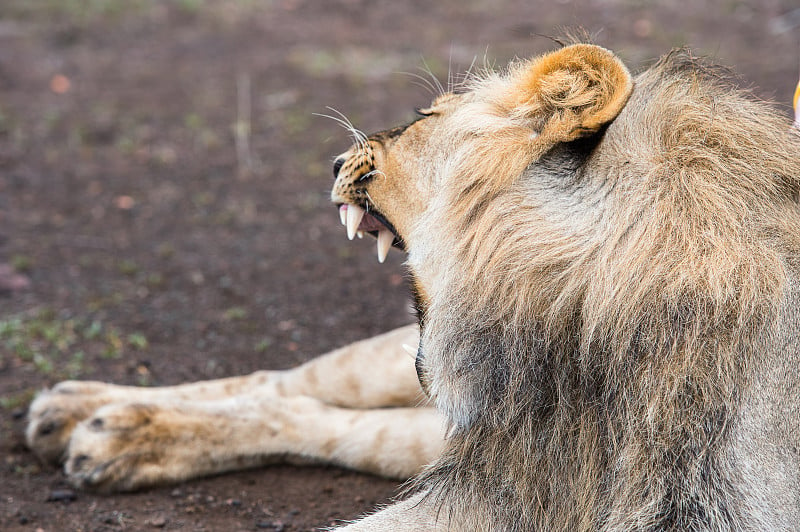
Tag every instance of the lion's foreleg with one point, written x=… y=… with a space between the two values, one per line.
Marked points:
x=373 y=373
x=126 y=446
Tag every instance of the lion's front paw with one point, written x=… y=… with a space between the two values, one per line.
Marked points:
x=54 y=414
x=123 y=447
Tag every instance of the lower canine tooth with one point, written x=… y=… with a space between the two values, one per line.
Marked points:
x=354 y=216
x=360 y=234
x=385 y=239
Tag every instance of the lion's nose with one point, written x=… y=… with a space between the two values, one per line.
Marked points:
x=337 y=165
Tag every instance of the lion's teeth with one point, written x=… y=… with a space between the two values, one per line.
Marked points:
x=385 y=238
x=360 y=234
x=354 y=216
x=343 y=214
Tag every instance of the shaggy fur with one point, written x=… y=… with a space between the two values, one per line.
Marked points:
x=604 y=269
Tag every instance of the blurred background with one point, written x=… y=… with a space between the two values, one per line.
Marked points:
x=164 y=212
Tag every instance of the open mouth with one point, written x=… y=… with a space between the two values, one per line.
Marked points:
x=359 y=221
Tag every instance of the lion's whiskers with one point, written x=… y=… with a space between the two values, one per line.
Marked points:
x=358 y=136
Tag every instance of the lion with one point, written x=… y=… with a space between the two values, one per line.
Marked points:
x=606 y=273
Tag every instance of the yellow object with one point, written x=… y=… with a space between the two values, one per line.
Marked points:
x=796 y=96
x=794 y=103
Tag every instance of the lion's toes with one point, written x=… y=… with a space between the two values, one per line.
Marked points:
x=115 y=449
x=53 y=415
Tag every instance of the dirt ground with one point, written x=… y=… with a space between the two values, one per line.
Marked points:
x=163 y=201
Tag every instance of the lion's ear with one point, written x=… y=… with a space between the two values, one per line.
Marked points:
x=570 y=93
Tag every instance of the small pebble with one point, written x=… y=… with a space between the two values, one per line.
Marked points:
x=157 y=522
x=61 y=496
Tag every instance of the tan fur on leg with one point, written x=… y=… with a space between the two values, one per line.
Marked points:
x=127 y=446
x=372 y=373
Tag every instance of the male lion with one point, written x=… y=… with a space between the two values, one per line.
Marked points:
x=606 y=274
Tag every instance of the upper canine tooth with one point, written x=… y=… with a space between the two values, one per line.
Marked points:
x=410 y=350
x=385 y=239
x=354 y=216
x=343 y=214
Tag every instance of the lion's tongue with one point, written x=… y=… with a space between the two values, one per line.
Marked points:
x=358 y=221
x=370 y=223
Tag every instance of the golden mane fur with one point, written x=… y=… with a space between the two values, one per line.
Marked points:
x=602 y=298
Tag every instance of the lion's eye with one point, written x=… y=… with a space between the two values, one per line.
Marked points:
x=424 y=111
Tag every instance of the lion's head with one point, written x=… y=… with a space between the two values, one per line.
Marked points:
x=511 y=120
